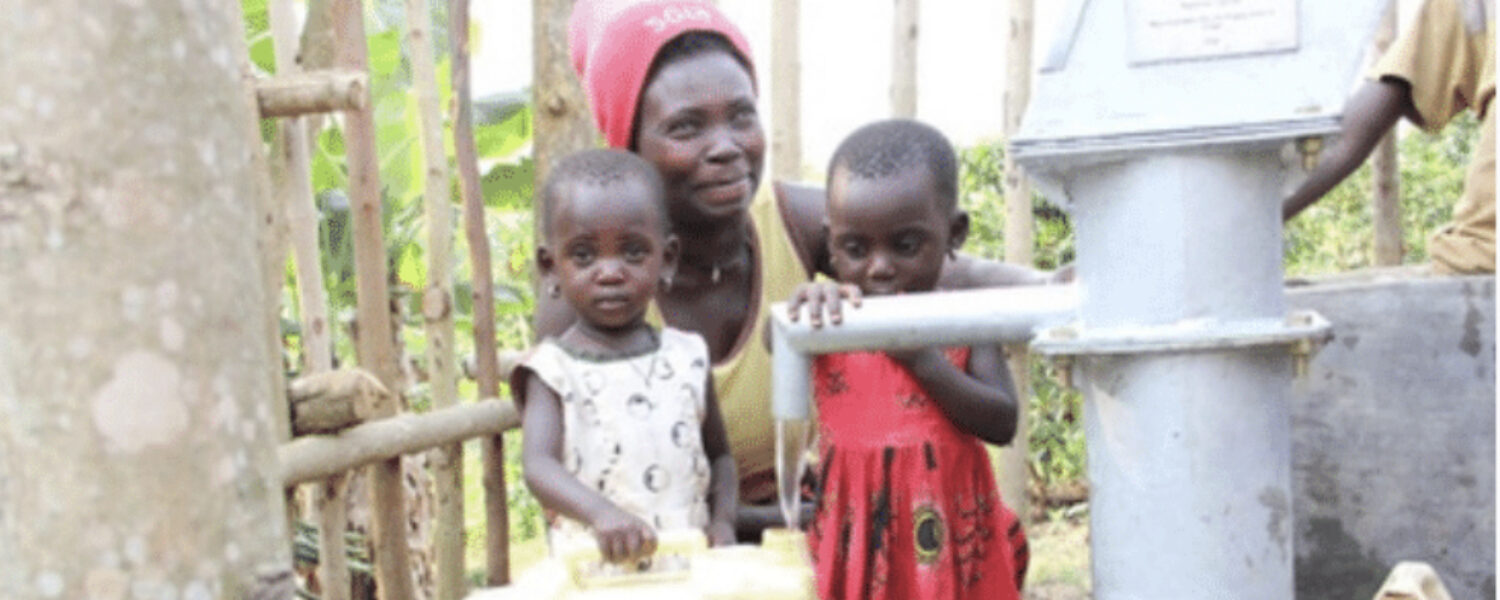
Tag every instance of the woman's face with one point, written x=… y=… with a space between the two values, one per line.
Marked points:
x=699 y=126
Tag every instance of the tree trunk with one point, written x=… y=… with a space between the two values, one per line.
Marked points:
x=563 y=122
x=904 y=60
x=1015 y=473
x=1386 y=171
x=139 y=393
x=496 y=513
x=786 y=92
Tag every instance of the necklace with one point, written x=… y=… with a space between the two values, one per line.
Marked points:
x=739 y=261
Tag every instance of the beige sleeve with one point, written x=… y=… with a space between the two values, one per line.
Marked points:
x=1442 y=60
x=541 y=361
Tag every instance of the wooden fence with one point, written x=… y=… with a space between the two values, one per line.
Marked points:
x=348 y=420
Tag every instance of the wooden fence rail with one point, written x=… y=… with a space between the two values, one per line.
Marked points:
x=329 y=458
x=311 y=458
x=312 y=92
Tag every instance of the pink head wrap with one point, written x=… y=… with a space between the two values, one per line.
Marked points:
x=613 y=42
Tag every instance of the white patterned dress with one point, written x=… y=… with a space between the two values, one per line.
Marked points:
x=632 y=426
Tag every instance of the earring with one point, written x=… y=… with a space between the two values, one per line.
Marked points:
x=666 y=283
x=554 y=290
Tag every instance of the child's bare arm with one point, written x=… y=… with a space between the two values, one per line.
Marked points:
x=965 y=272
x=981 y=401
x=724 y=488
x=621 y=535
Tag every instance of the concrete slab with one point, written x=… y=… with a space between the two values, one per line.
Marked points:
x=1393 y=435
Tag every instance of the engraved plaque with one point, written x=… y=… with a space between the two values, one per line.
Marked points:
x=1172 y=30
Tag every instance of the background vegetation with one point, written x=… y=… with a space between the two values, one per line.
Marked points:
x=1334 y=235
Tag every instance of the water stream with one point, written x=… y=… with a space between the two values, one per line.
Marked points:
x=792 y=439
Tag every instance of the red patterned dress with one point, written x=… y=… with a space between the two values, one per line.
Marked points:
x=907 y=505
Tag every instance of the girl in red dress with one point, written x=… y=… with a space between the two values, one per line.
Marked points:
x=907 y=505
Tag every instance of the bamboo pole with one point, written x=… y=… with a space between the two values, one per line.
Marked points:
x=302 y=211
x=315 y=53
x=330 y=500
x=374 y=344
x=1015 y=472
x=292 y=94
x=904 y=60
x=437 y=306
x=1385 y=170
x=311 y=458
x=497 y=521
x=786 y=92
x=326 y=498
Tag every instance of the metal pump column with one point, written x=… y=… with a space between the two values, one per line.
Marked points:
x=1167 y=128
x=1188 y=452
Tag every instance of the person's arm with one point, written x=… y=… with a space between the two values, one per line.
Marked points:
x=981 y=401
x=965 y=272
x=724 y=483
x=1368 y=115
x=621 y=535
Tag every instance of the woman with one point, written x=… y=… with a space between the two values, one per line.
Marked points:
x=674 y=83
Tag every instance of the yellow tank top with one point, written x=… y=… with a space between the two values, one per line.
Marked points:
x=743 y=378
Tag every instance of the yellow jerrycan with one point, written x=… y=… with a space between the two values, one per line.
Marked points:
x=683 y=568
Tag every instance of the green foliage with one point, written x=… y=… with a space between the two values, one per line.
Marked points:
x=981 y=185
x=1053 y=414
x=258 y=34
x=509 y=127
x=1055 y=423
x=508 y=186
x=499 y=134
x=1337 y=233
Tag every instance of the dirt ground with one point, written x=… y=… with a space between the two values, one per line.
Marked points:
x=1059 y=560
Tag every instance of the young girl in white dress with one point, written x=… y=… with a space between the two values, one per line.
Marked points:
x=622 y=431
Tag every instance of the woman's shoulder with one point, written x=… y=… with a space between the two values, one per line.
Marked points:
x=802 y=204
x=801 y=209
